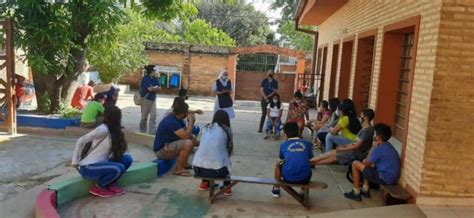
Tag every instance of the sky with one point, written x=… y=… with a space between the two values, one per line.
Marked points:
x=265 y=7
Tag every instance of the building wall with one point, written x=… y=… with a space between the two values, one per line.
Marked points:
x=359 y=16
x=449 y=155
x=204 y=71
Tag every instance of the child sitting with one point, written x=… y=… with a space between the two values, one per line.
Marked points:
x=295 y=154
x=91 y=117
x=212 y=158
x=382 y=166
x=274 y=112
x=298 y=111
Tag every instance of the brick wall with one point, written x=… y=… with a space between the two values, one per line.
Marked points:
x=358 y=16
x=449 y=155
x=204 y=72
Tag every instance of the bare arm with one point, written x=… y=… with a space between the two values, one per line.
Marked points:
x=350 y=147
x=263 y=93
x=336 y=129
x=187 y=133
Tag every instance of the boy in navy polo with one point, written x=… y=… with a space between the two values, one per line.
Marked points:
x=381 y=167
x=295 y=155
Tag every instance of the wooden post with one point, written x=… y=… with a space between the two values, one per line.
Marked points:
x=10 y=65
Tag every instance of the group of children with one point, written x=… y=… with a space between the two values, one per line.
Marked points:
x=344 y=138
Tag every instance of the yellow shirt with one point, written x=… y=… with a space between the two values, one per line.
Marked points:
x=344 y=124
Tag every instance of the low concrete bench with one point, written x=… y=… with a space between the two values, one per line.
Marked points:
x=394 y=194
x=302 y=199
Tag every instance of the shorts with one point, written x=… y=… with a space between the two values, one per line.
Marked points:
x=299 y=120
x=372 y=175
x=171 y=150
x=304 y=181
x=346 y=157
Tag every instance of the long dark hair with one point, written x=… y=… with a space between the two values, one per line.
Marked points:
x=333 y=104
x=278 y=104
x=348 y=108
x=222 y=119
x=113 y=121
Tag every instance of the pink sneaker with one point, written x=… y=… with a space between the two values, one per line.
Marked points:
x=101 y=192
x=116 y=189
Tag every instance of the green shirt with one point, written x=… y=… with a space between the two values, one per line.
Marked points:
x=344 y=124
x=93 y=109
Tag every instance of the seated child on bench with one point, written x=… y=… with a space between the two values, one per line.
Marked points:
x=212 y=159
x=382 y=166
x=295 y=154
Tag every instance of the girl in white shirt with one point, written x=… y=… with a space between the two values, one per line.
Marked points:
x=105 y=161
x=274 y=113
x=212 y=159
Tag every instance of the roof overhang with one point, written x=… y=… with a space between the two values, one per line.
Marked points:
x=315 y=12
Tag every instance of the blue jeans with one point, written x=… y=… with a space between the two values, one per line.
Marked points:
x=270 y=125
x=106 y=172
x=334 y=140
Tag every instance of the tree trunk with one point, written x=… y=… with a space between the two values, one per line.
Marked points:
x=44 y=85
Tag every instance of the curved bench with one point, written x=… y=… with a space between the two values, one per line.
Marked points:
x=65 y=191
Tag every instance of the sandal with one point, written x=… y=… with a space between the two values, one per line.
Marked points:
x=184 y=173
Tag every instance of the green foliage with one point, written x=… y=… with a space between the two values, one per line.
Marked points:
x=200 y=32
x=238 y=19
x=302 y=41
x=288 y=7
x=44 y=103
x=69 y=112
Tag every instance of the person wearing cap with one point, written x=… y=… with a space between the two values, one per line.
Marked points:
x=92 y=115
x=149 y=86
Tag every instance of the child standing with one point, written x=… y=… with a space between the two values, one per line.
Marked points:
x=100 y=155
x=274 y=111
x=295 y=154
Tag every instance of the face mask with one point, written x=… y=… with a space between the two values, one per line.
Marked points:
x=270 y=75
x=338 y=113
x=224 y=78
x=275 y=101
x=298 y=101
x=361 y=119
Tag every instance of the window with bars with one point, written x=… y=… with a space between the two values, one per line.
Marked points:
x=401 y=111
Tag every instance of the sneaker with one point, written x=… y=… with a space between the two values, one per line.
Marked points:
x=365 y=194
x=228 y=192
x=275 y=192
x=204 y=186
x=116 y=189
x=266 y=136
x=101 y=192
x=259 y=131
x=352 y=195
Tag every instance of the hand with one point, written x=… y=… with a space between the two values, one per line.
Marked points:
x=338 y=149
x=191 y=118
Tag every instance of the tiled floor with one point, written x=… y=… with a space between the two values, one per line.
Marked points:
x=448 y=211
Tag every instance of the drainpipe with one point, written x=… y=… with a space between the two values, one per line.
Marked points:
x=315 y=49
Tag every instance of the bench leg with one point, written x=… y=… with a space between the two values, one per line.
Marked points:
x=211 y=191
x=211 y=199
x=295 y=195
x=306 y=198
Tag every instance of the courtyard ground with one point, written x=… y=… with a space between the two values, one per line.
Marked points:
x=30 y=162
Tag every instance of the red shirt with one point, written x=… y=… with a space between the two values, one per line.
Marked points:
x=82 y=93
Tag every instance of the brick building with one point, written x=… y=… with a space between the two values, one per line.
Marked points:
x=412 y=62
x=198 y=67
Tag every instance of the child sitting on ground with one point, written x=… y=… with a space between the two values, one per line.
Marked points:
x=100 y=155
x=295 y=154
x=382 y=167
x=274 y=112
x=91 y=117
x=212 y=159
x=298 y=111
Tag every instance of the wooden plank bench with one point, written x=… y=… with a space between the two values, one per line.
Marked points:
x=302 y=199
x=394 y=194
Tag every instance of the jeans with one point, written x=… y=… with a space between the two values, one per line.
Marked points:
x=263 y=104
x=106 y=172
x=270 y=125
x=334 y=140
x=148 y=108
x=210 y=173
x=322 y=137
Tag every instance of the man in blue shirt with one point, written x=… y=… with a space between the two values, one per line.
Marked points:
x=174 y=140
x=149 y=86
x=268 y=88
x=295 y=155
x=381 y=167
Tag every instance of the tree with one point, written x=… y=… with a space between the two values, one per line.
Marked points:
x=288 y=8
x=57 y=37
x=202 y=33
x=239 y=20
x=300 y=40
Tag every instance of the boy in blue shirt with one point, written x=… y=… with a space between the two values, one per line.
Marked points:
x=295 y=155
x=381 y=167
